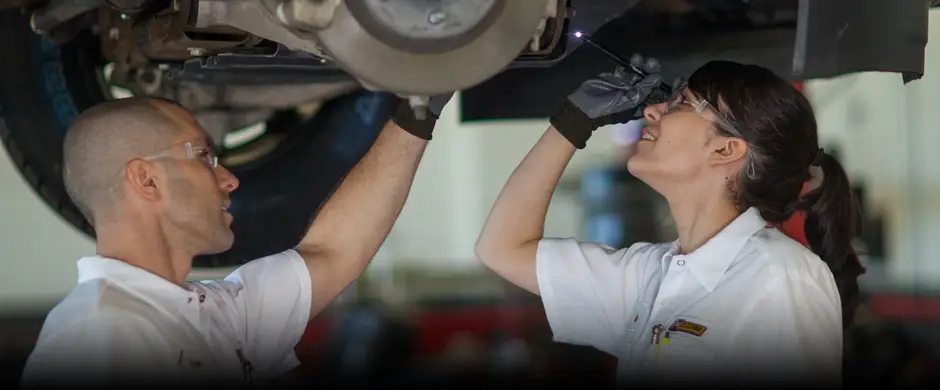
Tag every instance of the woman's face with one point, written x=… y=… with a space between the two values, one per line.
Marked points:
x=678 y=144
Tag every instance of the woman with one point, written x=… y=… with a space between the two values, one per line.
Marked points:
x=733 y=299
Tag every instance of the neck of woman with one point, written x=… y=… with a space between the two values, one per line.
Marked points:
x=700 y=219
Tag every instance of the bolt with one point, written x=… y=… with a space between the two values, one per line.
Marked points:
x=114 y=33
x=437 y=17
x=196 y=51
x=124 y=16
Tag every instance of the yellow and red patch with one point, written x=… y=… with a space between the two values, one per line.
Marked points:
x=689 y=327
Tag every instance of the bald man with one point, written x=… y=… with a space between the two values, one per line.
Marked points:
x=144 y=174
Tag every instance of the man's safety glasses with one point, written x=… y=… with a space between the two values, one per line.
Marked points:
x=190 y=150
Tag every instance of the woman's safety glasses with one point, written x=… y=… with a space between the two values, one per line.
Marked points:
x=679 y=99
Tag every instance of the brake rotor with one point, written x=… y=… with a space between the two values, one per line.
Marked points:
x=427 y=47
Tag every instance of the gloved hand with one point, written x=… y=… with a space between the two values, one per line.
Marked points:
x=610 y=98
x=421 y=128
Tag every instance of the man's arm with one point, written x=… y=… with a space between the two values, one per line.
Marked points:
x=354 y=222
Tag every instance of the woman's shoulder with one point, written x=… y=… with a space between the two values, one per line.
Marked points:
x=635 y=249
x=778 y=254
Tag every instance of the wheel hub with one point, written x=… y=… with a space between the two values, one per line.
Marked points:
x=427 y=47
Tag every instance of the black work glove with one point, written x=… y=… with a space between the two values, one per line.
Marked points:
x=422 y=128
x=609 y=98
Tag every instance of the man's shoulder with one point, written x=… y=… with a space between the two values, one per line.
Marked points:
x=97 y=304
x=276 y=265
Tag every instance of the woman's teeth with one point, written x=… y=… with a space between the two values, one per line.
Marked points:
x=648 y=137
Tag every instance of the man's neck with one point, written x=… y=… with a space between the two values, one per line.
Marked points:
x=700 y=219
x=148 y=249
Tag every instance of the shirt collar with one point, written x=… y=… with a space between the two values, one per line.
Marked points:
x=710 y=261
x=136 y=281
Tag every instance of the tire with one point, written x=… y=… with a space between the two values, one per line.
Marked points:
x=41 y=93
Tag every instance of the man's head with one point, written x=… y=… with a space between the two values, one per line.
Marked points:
x=146 y=164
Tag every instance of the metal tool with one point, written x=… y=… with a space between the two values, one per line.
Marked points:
x=620 y=60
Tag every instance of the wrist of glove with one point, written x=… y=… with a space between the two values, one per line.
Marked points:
x=610 y=98
x=577 y=127
x=423 y=128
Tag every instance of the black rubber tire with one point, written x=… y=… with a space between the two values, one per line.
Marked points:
x=277 y=198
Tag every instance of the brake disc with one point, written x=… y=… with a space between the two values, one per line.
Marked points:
x=426 y=47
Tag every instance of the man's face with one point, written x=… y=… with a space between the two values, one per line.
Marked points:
x=197 y=194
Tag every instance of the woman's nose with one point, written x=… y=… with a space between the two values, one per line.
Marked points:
x=227 y=181
x=654 y=112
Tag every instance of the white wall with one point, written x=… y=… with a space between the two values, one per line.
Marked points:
x=38 y=250
x=463 y=171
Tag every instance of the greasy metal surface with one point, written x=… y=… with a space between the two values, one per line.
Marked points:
x=426 y=27
x=254 y=16
x=57 y=12
x=381 y=66
x=284 y=66
x=840 y=36
x=307 y=14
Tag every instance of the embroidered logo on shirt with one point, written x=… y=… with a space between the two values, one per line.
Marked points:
x=688 y=327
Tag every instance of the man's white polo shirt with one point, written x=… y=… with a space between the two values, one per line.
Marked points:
x=122 y=324
x=750 y=305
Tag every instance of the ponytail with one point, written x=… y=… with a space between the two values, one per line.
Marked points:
x=833 y=219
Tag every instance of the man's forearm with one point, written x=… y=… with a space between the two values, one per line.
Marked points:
x=359 y=215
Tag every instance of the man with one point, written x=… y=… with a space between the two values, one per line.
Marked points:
x=143 y=172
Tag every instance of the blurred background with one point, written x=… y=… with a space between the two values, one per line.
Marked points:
x=426 y=305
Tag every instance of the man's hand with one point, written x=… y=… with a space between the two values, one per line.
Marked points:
x=355 y=221
x=422 y=127
x=610 y=98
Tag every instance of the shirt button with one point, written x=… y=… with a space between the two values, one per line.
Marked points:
x=680 y=262
x=190 y=300
x=202 y=298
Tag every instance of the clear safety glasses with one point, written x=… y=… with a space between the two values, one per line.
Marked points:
x=192 y=151
x=188 y=150
x=678 y=99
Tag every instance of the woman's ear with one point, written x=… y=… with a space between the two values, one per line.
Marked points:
x=727 y=150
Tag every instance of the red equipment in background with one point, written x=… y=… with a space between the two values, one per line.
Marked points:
x=793 y=227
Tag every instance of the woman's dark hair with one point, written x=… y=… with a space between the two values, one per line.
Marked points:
x=778 y=124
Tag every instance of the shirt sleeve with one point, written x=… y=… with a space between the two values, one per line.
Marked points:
x=272 y=298
x=795 y=326
x=585 y=291
x=101 y=350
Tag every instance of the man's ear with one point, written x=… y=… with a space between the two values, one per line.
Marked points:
x=142 y=178
x=727 y=150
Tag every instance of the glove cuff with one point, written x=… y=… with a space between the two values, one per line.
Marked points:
x=573 y=124
x=405 y=118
